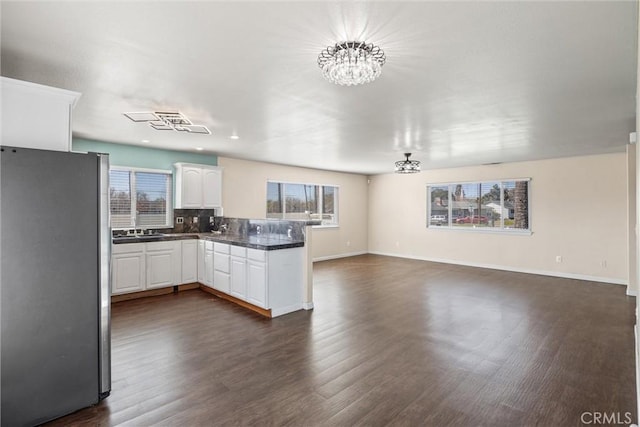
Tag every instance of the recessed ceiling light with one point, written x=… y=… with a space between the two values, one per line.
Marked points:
x=199 y=148
x=145 y=140
x=234 y=137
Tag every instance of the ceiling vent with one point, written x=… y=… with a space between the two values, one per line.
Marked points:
x=164 y=120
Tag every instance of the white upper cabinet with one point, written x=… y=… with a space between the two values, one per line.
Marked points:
x=191 y=188
x=36 y=116
x=198 y=186
x=211 y=188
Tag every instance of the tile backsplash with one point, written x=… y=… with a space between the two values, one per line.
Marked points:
x=193 y=220
x=199 y=221
x=248 y=227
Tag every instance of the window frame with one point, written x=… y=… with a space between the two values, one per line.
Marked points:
x=133 y=193
x=499 y=230
x=319 y=201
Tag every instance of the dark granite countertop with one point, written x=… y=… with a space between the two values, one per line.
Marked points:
x=265 y=242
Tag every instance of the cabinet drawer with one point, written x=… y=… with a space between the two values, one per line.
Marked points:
x=221 y=262
x=127 y=248
x=160 y=246
x=238 y=251
x=257 y=255
x=222 y=248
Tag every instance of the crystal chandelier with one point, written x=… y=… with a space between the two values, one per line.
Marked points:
x=407 y=166
x=351 y=63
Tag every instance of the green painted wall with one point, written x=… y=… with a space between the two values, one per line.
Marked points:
x=142 y=157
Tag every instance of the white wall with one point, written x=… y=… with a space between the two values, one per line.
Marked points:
x=632 y=253
x=578 y=209
x=244 y=195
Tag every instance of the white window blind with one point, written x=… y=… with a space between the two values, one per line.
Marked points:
x=120 y=194
x=151 y=205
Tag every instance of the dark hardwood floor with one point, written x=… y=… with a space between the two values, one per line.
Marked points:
x=390 y=341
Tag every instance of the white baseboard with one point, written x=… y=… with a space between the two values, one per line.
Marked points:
x=307 y=305
x=585 y=277
x=327 y=258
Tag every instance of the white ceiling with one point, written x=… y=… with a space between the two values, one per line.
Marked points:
x=465 y=83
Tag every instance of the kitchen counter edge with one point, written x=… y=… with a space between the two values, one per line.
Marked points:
x=253 y=242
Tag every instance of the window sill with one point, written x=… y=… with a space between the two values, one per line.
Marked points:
x=483 y=230
x=326 y=226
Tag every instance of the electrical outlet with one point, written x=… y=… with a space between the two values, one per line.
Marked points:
x=179 y=220
x=348 y=243
x=195 y=219
x=603 y=263
x=558 y=258
x=211 y=220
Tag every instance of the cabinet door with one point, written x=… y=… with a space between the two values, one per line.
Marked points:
x=208 y=268
x=238 y=285
x=221 y=281
x=159 y=269
x=212 y=188
x=189 y=261
x=128 y=273
x=201 y=261
x=257 y=283
x=191 y=188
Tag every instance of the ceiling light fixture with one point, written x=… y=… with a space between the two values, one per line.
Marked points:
x=234 y=137
x=407 y=166
x=162 y=120
x=351 y=63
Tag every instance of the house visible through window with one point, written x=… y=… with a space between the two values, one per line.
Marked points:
x=497 y=205
x=150 y=206
x=302 y=201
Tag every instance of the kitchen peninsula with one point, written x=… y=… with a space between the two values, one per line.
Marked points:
x=262 y=265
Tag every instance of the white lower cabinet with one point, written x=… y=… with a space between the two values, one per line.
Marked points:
x=238 y=272
x=163 y=264
x=208 y=264
x=140 y=266
x=257 y=283
x=201 y=254
x=128 y=269
x=221 y=267
x=267 y=279
x=159 y=273
x=189 y=261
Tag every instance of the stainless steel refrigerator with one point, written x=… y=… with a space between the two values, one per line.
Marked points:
x=54 y=283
